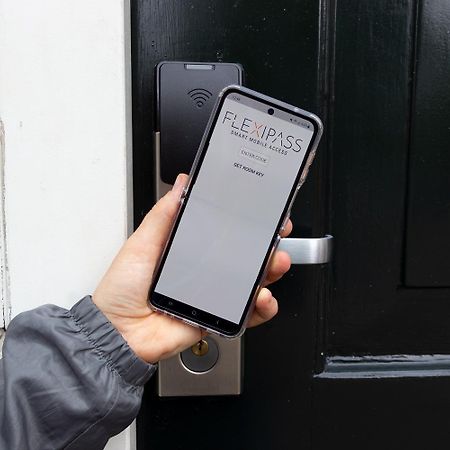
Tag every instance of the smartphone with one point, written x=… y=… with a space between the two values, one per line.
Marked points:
x=253 y=158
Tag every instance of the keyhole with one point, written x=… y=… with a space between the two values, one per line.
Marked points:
x=200 y=348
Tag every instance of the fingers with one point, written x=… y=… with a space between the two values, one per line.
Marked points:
x=266 y=307
x=177 y=337
x=287 y=229
x=280 y=264
x=154 y=229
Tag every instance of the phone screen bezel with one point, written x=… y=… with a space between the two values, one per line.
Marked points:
x=184 y=311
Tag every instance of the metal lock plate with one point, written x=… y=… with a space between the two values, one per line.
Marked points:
x=187 y=374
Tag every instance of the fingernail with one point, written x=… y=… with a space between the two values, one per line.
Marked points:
x=178 y=184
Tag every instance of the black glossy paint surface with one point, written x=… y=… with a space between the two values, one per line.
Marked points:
x=428 y=218
x=376 y=72
x=375 y=186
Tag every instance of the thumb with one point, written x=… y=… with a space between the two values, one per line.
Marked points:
x=154 y=229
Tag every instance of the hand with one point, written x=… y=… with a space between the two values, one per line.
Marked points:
x=122 y=293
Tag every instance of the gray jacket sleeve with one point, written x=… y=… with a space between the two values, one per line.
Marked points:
x=68 y=380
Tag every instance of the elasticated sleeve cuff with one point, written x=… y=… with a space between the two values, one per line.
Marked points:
x=110 y=344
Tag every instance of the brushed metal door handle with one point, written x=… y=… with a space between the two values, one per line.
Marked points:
x=308 y=250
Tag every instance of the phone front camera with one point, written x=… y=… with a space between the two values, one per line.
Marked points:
x=270 y=111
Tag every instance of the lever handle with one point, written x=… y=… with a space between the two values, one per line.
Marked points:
x=308 y=250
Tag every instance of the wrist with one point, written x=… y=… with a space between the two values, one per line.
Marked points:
x=137 y=334
x=108 y=342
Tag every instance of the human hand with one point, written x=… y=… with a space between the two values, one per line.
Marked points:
x=122 y=293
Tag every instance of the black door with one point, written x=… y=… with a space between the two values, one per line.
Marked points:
x=359 y=355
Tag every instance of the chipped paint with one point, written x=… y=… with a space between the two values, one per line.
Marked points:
x=5 y=304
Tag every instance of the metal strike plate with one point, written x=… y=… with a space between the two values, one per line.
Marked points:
x=308 y=250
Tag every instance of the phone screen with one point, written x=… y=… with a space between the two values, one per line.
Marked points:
x=234 y=207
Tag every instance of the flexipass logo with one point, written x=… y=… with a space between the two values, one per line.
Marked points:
x=261 y=133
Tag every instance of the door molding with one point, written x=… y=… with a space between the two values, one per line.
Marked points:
x=386 y=366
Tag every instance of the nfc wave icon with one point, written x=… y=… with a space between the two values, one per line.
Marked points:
x=200 y=96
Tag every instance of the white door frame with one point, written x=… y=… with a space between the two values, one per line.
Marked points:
x=66 y=172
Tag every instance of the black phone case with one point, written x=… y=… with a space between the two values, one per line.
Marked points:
x=185 y=96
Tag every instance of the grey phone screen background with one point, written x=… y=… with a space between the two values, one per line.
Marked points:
x=233 y=209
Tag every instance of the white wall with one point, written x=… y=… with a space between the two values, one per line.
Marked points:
x=65 y=108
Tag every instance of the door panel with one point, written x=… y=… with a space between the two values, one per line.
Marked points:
x=358 y=355
x=385 y=374
x=372 y=310
x=428 y=208
x=373 y=52
x=390 y=414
